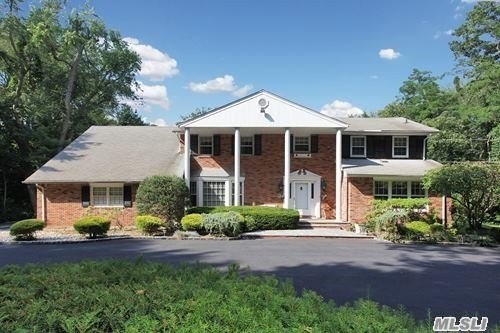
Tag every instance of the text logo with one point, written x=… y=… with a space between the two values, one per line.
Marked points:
x=444 y=324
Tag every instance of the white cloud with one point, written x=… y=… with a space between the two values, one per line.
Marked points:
x=156 y=65
x=449 y=32
x=438 y=34
x=340 y=108
x=388 y=54
x=151 y=95
x=373 y=77
x=160 y=122
x=220 y=84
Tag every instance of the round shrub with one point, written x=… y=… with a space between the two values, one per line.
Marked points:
x=162 y=196
x=229 y=224
x=93 y=226
x=417 y=229
x=25 y=229
x=191 y=222
x=148 y=224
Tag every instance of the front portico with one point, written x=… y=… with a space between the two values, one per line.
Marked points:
x=266 y=136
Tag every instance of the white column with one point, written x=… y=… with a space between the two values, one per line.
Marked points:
x=237 y=156
x=187 y=156
x=443 y=209
x=338 y=176
x=286 y=180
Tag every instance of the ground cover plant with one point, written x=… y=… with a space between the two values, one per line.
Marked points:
x=139 y=296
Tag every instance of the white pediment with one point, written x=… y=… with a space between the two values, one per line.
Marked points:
x=263 y=109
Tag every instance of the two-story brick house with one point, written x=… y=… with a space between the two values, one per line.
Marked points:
x=269 y=150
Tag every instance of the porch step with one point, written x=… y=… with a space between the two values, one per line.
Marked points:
x=323 y=224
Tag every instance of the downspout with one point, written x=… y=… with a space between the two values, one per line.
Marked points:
x=424 y=157
x=42 y=189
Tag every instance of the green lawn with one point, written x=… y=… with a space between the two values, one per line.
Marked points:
x=149 y=297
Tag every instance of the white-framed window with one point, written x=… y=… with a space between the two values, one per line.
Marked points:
x=381 y=189
x=302 y=144
x=400 y=146
x=246 y=145
x=214 y=193
x=103 y=195
x=241 y=193
x=205 y=145
x=398 y=188
x=358 y=146
x=193 y=193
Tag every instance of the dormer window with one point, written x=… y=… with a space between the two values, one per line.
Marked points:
x=358 y=146
x=400 y=147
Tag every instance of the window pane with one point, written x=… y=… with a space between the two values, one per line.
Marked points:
x=358 y=145
x=214 y=193
x=417 y=190
x=359 y=151
x=399 y=189
x=205 y=145
x=358 y=141
x=381 y=189
x=246 y=145
x=193 y=193
x=400 y=146
x=232 y=193
x=301 y=144
x=116 y=196
x=99 y=196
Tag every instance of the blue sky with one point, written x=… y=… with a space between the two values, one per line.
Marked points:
x=335 y=56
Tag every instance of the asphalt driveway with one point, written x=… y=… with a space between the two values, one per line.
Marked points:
x=448 y=280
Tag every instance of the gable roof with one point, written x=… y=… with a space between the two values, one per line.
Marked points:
x=114 y=154
x=386 y=125
x=279 y=113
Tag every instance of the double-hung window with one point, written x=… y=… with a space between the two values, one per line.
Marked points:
x=246 y=145
x=399 y=146
x=302 y=144
x=399 y=189
x=107 y=196
x=391 y=189
x=381 y=189
x=206 y=145
x=358 y=146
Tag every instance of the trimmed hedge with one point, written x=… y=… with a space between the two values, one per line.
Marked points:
x=257 y=217
x=149 y=224
x=26 y=229
x=228 y=223
x=191 y=222
x=417 y=229
x=93 y=226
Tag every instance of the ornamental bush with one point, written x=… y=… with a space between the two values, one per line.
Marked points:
x=93 y=226
x=163 y=196
x=417 y=229
x=228 y=224
x=257 y=217
x=26 y=229
x=149 y=225
x=191 y=222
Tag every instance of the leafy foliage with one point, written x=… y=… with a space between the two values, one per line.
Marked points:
x=475 y=188
x=163 y=196
x=26 y=229
x=258 y=217
x=150 y=225
x=191 y=222
x=228 y=224
x=93 y=226
x=417 y=229
x=152 y=297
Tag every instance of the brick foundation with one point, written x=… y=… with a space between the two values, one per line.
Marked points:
x=64 y=207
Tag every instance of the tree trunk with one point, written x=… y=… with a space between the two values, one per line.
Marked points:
x=70 y=87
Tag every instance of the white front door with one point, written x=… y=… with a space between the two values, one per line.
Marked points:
x=302 y=198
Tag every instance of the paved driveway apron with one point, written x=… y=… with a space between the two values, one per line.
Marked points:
x=449 y=280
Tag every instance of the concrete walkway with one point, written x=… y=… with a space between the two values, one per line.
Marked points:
x=316 y=232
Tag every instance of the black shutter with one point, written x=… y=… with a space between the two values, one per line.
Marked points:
x=194 y=143
x=257 y=141
x=314 y=143
x=346 y=146
x=127 y=196
x=216 y=145
x=85 y=195
x=291 y=144
x=232 y=144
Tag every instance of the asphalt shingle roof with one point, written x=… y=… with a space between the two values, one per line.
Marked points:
x=394 y=124
x=387 y=167
x=114 y=154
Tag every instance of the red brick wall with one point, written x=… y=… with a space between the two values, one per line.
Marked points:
x=64 y=207
x=264 y=173
x=358 y=195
